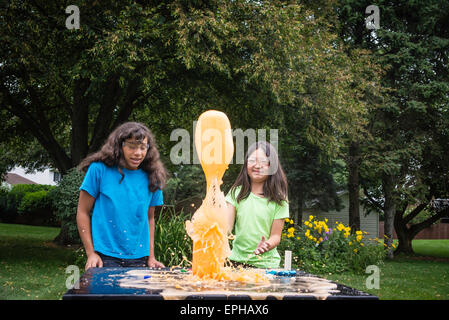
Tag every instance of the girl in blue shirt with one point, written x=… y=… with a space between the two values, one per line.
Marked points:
x=122 y=185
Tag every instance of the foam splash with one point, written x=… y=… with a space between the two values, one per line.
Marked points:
x=208 y=230
x=176 y=285
x=208 y=227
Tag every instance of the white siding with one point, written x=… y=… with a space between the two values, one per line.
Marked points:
x=368 y=223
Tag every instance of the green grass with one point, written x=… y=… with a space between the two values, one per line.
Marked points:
x=32 y=268
x=433 y=248
x=423 y=276
x=404 y=278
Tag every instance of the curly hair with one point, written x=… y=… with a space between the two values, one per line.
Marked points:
x=111 y=154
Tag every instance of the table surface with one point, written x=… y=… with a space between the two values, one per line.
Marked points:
x=174 y=284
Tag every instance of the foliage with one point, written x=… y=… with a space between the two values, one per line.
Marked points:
x=65 y=201
x=36 y=208
x=172 y=245
x=404 y=163
x=317 y=248
x=4 y=216
x=66 y=89
x=186 y=182
x=34 y=201
x=28 y=200
x=19 y=191
x=268 y=64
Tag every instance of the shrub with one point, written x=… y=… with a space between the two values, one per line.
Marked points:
x=18 y=191
x=65 y=201
x=317 y=248
x=171 y=242
x=186 y=182
x=26 y=203
x=36 y=208
x=5 y=215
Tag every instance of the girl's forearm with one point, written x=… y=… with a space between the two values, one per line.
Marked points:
x=151 y=224
x=84 y=229
x=276 y=231
x=274 y=241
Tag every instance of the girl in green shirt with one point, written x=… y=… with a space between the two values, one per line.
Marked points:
x=257 y=207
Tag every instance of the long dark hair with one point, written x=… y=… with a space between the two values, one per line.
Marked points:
x=275 y=187
x=111 y=154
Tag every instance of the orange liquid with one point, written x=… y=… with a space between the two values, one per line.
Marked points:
x=209 y=224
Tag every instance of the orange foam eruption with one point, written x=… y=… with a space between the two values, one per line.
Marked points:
x=209 y=224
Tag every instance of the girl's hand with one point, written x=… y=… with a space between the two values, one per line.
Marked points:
x=263 y=246
x=153 y=263
x=93 y=261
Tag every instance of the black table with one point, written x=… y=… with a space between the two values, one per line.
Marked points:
x=172 y=284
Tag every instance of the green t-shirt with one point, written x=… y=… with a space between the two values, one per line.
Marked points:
x=253 y=219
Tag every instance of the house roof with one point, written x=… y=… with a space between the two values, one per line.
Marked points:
x=13 y=179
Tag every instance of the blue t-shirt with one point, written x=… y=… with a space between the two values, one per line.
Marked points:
x=120 y=215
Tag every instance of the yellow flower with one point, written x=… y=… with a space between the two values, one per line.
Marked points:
x=291 y=221
x=310 y=218
x=299 y=238
x=350 y=242
x=358 y=233
x=287 y=220
x=291 y=230
x=355 y=250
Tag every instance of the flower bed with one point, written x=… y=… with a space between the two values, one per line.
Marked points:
x=319 y=248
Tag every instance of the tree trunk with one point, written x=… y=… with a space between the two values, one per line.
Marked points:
x=389 y=212
x=353 y=186
x=299 y=211
x=404 y=236
x=63 y=238
x=80 y=118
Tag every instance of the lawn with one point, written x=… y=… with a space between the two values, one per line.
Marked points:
x=32 y=268
x=433 y=248
x=404 y=278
